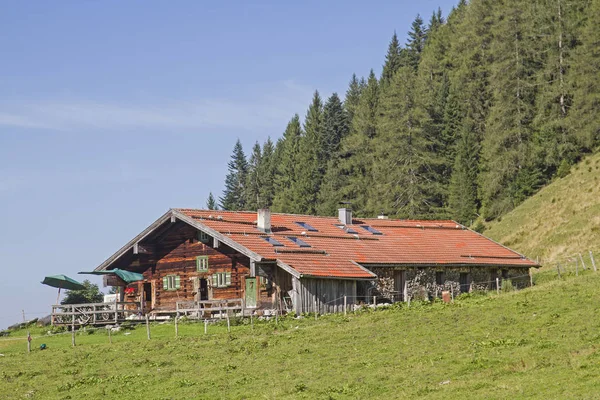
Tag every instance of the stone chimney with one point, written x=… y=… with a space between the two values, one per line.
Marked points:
x=345 y=216
x=264 y=220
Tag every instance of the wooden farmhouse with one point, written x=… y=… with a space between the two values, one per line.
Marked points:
x=301 y=263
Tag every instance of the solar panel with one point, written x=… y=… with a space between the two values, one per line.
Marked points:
x=298 y=241
x=272 y=241
x=371 y=229
x=306 y=226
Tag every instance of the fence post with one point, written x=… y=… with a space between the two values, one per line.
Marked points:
x=582 y=263
x=374 y=300
x=558 y=270
x=73 y=326
x=147 y=327
x=228 y=324
x=576 y=267
x=205 y=326
x=530 y=278
x=593 y=261
x=345 y=305
x=315 y=306
x=176 y=324
x=497 y=286
x=28 y=342
x=110 y=335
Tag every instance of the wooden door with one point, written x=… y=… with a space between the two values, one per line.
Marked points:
x=251 y=292
x=399 y=283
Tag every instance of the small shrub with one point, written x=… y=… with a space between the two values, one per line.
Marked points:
x=478 y=226
x=563 y=169
x=507 y=286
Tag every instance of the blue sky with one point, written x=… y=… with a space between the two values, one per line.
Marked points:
x=112 y=112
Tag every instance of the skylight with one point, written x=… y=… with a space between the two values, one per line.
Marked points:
x=299 y=242
x=306 y=226
x=371 y=229
x=347 y=229
x=272 y=241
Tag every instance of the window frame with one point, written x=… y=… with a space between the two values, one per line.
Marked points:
x=202 y=260
x=172 y=282
x=203 y=237
x=221 y=279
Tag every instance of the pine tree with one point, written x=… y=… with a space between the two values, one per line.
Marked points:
x=392 y=61
x=436 y=21
x=584 y=116
x=287 y=151
x=253 y=179
x=234 y=195
x=211 y=203
x=310 y=157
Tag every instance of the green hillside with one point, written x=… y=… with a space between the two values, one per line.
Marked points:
x=536 y=343
x=560 y=220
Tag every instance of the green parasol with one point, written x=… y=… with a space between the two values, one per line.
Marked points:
x=62 y=282
x=126 y=276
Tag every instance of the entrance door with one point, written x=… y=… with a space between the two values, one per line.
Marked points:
x=203 y=289
x=250 y=292
x=147 y=295
x=399 y=283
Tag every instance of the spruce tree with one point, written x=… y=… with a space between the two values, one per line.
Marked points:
x=335 y=129
x=211 y=203
x=253 y=179
x=584 y=116
x=287 y=152
x=392 y=61
x=353 y=96
x=416 y=42
x=310 y=159
x=463 y=204
x=266 y=172
x=234 y=195
x=401 y=183
x=356 y=155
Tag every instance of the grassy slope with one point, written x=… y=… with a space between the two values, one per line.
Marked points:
x=541 y=342
x=560 y=220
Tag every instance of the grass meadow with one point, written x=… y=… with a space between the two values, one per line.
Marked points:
x=540 y=342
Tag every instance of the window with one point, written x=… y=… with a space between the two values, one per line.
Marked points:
x=272 y=241
x=439 y=277
x=299 y=242
x=203 y=237
x=221 y=279
x=171 y=282
x=306 y=226
x=202 y=263
x=371 y=229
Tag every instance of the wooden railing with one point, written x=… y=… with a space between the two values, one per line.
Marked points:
x=211 y=308
x=94 y=313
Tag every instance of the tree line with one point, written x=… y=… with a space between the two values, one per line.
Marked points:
x=469 y=117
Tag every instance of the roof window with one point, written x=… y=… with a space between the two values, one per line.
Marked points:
x=371 y=229
x=298 y=241
x=306 y=226
x=346 y=229
x=272 y=241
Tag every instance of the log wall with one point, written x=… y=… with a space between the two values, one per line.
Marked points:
x=326 y=294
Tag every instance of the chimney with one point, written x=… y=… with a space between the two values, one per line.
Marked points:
x=345 y=216
x=264 y=220
x=382 y=216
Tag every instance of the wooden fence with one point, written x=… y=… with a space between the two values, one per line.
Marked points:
x=95 y=313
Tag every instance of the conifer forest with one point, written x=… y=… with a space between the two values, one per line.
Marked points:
x=473 y=114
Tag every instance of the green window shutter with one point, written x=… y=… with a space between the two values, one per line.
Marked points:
x=165 y=283
x=198 y=264
x=177 y=282
x=215 y=280
x=227 y=278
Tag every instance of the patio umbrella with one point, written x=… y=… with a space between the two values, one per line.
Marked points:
x=126 y=276
x=62 y=282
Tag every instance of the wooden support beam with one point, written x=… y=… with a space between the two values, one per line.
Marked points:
x=216 y=243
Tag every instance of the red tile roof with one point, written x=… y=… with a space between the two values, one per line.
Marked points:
x=335 y=253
